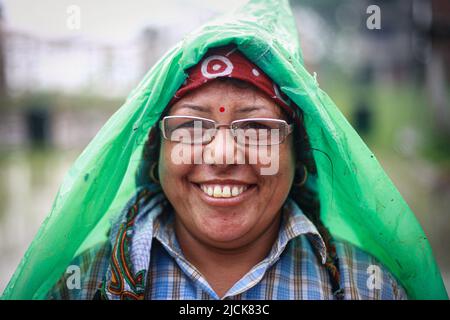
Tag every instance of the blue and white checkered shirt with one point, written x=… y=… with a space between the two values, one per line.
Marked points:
x=293 y=269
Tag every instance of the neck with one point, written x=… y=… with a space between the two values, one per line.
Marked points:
x=223 y=267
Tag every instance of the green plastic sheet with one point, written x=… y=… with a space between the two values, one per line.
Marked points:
x=359 y=203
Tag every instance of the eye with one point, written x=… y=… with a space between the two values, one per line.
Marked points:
x=188 y=124
x=255 y=125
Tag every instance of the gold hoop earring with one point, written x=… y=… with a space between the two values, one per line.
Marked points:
x=152 y=173
x=305 y=177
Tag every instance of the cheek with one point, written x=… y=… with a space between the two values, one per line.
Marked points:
x=284 y=177
x=171 y=172
x=287 y=159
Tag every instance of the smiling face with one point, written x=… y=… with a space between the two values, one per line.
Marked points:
x=226 y=205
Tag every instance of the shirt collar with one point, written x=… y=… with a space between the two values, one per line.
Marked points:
x=295 y=223
x=164 y=232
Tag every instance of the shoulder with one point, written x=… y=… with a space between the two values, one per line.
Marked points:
x=86 y=273
x=364 y=277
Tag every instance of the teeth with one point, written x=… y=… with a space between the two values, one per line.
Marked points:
x=223 y=191
x=226 y=192
x=217 y=192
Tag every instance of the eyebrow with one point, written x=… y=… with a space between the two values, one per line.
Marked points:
x=204 y=109
x=246 y=109
x=265 y=113
x=195 y=107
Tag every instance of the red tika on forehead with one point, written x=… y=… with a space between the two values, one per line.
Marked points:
x=229 y=62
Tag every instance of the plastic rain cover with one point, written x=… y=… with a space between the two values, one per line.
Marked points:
x=359 y=203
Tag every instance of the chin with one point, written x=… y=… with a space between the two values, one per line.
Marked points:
x=223 y=232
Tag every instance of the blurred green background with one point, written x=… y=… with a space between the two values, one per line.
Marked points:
x=66 y=66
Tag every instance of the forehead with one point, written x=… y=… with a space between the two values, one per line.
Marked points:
x=235 y=96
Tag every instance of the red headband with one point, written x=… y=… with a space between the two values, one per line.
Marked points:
x=229 y=62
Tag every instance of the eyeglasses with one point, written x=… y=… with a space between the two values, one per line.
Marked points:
x=252 y=131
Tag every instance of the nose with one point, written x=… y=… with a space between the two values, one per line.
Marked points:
x=223 y=149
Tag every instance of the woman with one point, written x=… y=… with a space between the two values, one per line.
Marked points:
x=233 y=187
x=223 y=229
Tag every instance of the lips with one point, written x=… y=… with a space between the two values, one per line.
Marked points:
x=223 y=191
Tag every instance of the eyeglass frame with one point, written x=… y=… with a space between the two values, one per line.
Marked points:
x=289 y=128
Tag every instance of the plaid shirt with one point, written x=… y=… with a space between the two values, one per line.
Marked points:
x=293 y=269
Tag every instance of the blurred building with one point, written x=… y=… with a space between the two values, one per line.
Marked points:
x=72 y=64
x=2 y=60
x=437 y=31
